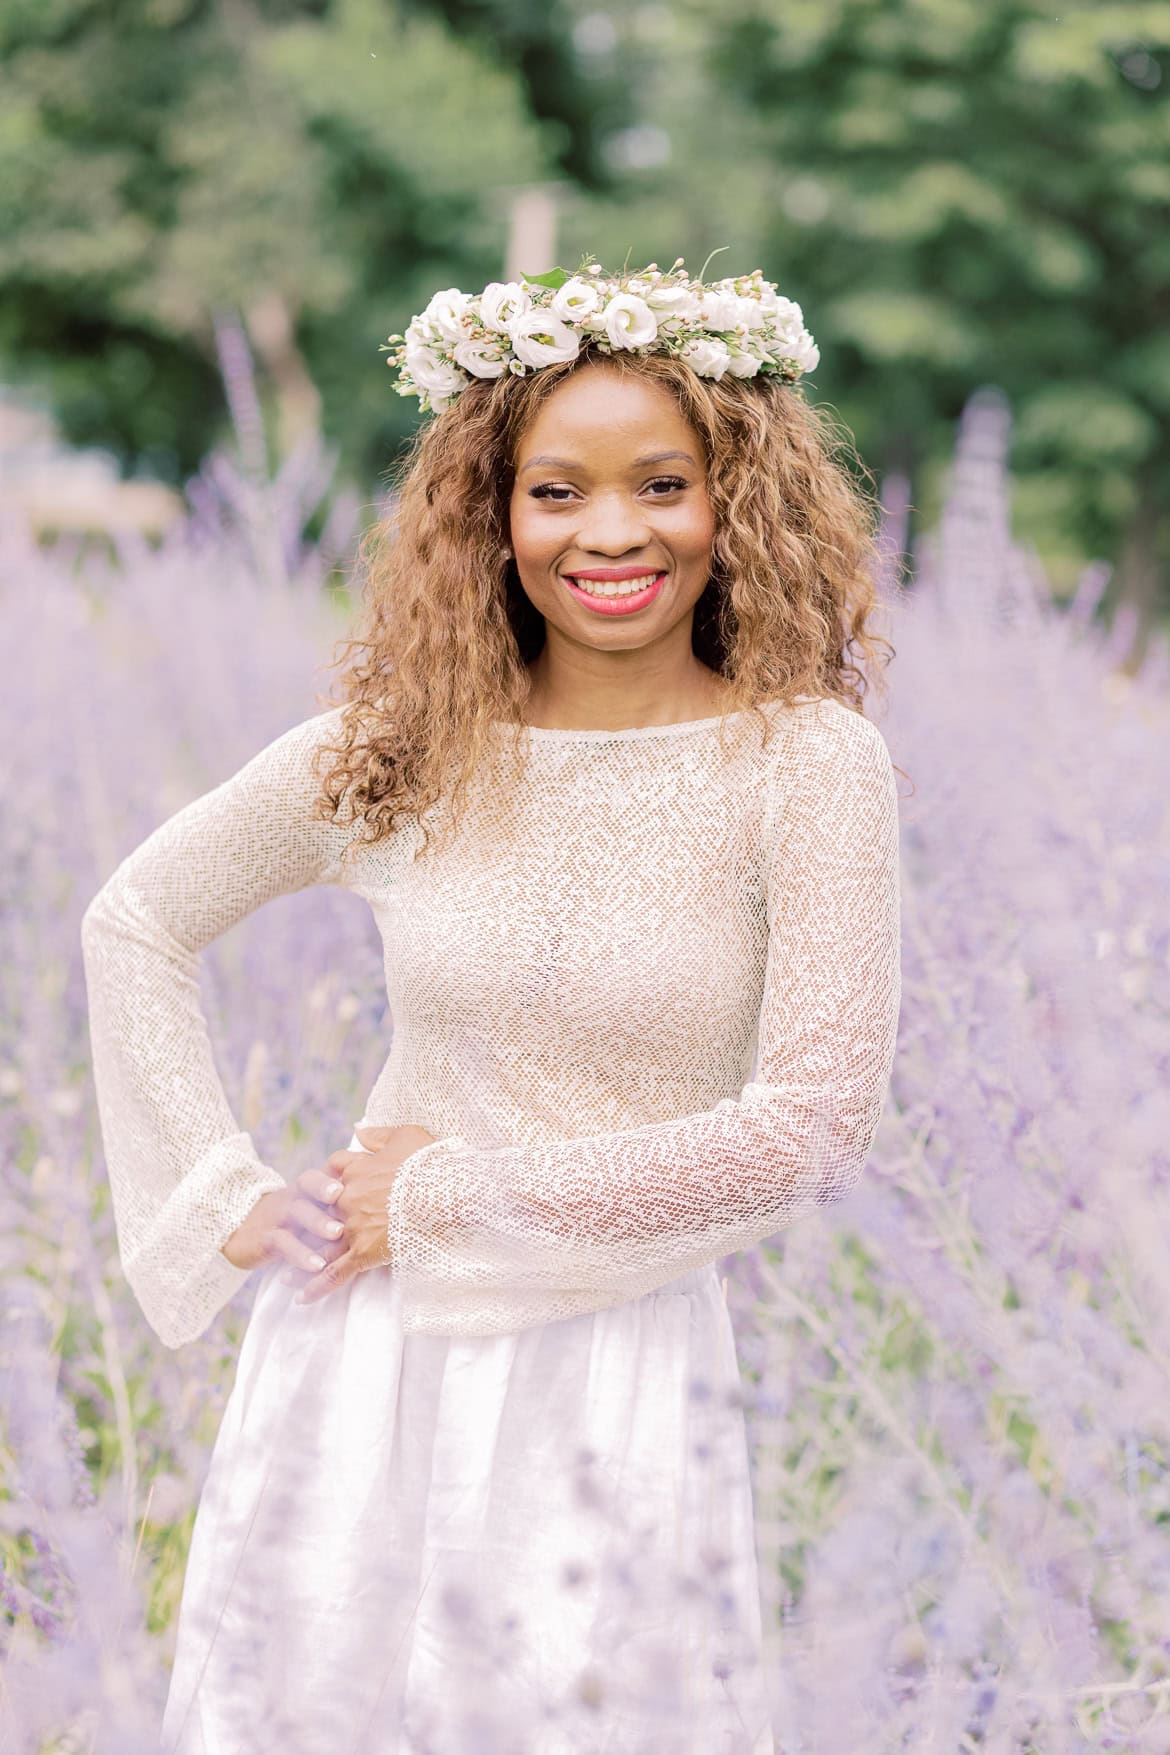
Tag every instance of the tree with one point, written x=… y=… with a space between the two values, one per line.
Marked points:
x=958 y=192
x=321 y=168
x=979 y=190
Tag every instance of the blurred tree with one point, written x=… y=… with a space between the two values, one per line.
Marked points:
x=321 y=167
x=541 y=39
x=979 y=191
x=958 y=192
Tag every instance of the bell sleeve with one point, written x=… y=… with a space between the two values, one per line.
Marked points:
x=503 y=1238
x=182 y=1173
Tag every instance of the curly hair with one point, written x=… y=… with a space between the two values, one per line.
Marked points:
x=446 y=632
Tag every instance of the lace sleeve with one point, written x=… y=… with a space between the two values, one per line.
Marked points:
x=580 y=1224
x=182 y=1174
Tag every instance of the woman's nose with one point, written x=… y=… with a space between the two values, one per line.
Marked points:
x=612 y=525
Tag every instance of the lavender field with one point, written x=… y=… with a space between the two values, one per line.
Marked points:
x=957 y=1381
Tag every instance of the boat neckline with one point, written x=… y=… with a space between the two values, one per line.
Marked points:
x=592 y=734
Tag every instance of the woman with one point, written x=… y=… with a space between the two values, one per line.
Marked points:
x=482 y=1481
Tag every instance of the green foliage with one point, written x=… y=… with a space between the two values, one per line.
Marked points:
x=581 y=102
x=957 y=191
x=555 y=278
x=1085 y=422
x=978 y=193
x=173 y=159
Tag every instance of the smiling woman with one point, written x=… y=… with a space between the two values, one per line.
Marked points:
x=470 y=617
x=607 y=530
x=482 y=1481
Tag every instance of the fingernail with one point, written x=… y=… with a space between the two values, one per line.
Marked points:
x=317 y=1262
x=335 y=1227
x=332 y=1190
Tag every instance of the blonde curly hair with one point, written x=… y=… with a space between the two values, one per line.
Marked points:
x=439 y=654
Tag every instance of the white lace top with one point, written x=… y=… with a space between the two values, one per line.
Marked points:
x=647 y=1002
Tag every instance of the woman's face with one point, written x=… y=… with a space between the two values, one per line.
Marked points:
x=610 y=485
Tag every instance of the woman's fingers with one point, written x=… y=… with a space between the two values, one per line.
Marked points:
x=344 y=1268
x=314 y=1218
x=324 y=1185
x=302 y=1255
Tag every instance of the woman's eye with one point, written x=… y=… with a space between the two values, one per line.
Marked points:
x=547 y=490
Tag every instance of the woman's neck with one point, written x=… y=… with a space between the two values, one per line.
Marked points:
x=703 y=694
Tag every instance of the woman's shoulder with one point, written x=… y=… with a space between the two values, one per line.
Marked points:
x=822 y=736
x=831 y=719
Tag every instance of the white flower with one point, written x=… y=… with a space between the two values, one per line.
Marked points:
x=719 y=310
x=419 y=333
x=734 y=327
x=750 y=314
x=742 y=365
x=707 y=355
x=540 y=339
x=483 y=359
x=785 y=321
x=629 y=321
x=806 y=353
x=576 y=299
x=595 y=322
x=500 y=302
x=445 y=313
x=437 y=377
x=673 y=301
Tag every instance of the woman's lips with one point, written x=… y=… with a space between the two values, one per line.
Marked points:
x=617 y=605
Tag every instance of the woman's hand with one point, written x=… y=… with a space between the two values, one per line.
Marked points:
x=271 y=1230
x=359 y=1206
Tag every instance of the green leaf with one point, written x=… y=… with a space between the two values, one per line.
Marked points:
x=555 y=278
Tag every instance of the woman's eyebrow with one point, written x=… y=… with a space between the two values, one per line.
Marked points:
x=638 y=463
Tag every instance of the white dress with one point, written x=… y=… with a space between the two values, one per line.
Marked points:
x=495 y=1496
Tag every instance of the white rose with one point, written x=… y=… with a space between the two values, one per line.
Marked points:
x=419 y=333
x=786 y=321
x=482 y=359
x=719 y=310
x=707 y=356
x=445 y=313
x=806 y=353
x=578 y=298
x=500 y=302
x=673 y=301
x=629 y=321
x=742 y=365
x=540 y=339
x=438 y=377
x=750 y=314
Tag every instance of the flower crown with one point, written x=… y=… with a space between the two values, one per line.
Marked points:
x=738 y=326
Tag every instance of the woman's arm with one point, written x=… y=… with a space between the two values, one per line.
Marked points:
x=506 y=1237
x=182 y=1174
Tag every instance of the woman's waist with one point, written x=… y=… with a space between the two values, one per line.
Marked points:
x=694 y=1280
x=490 y=1116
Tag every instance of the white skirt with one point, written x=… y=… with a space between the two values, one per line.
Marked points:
x=533 y=1544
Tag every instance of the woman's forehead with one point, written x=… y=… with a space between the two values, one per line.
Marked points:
x=596 y=407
